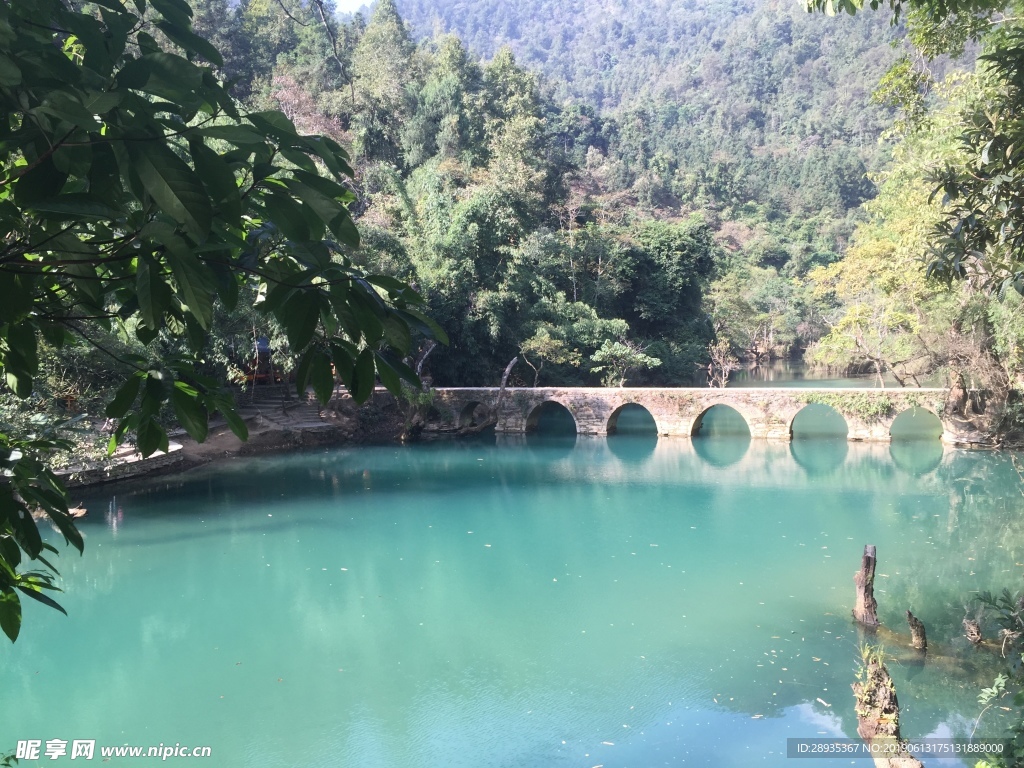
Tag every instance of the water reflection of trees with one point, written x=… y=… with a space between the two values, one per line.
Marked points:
x=957 y=519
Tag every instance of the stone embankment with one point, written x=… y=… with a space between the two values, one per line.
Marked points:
x=124 y=466
x=277 y=420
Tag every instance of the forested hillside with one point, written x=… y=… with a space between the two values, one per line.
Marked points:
x=519 y=185
x=714 y=101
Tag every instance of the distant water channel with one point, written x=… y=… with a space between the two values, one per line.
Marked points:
x=796 y=373
x=548 y=601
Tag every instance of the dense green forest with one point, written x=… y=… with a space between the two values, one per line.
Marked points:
x=597 y=216
x=722 y=103
x=608 y=196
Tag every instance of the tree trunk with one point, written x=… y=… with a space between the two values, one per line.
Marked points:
x=504 y=382
x=917 y=634
x=973 y=631
x=431 y=345
x=878 y=716
x=866 y=605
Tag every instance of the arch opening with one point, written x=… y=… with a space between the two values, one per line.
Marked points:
x=632 y=419
x=720 y=421
x=817 y=420
x=916 y=424
x=551 y=418
x=722 y=437
x=473 y=414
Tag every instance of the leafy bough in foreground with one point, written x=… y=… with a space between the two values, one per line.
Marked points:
x=135 y=194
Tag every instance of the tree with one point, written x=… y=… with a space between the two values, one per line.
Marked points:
x=981 y=236
x=547 y=349
x=618 y=358
x=381 y=64
x=136 y=196
x=723 y=362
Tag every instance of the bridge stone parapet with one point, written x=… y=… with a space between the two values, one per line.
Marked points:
x=768 y=411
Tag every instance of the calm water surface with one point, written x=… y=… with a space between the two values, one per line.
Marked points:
x=546 y=602
x=796 y=373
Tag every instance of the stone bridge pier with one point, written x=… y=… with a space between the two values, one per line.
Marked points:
x=768 y=411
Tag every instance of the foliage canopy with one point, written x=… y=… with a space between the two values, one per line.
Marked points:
x=136 y=195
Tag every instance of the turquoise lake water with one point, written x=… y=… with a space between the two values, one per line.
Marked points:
x=540 y=601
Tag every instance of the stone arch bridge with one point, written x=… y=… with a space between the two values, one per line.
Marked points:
x=768 y=411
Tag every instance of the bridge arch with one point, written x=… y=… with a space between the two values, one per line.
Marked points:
x=635 y=416
x=916 y=423
x=552 y=410
x=473 y=413
x=731 y=414
x=818 y=420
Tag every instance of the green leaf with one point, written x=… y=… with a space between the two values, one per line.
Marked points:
x=322 y=377
x=163 y=74
x=9 y=552
x=10 y=614
x=364 y=377
x=239 y=135
x=427 y=325
x=153 y=293
x=345 y=230
x=288 y=216
x=39 y=183
x=10 y=75
x=236 y=423
x=65 y=106
x=397 y=335
x=300 y=315
x=125 y=398
x=65 y=524
x=302 y=373
x=299 y=158
x=26 y=532
x=176 y=11
x=197 y=285
x=325 y=207
x=173 y=185
x=219 y=180
x=191 y=415
x=77 y=205
x=344 y=355
x=190 y=41
x=15 y=297
x=42 y=598
x=151 y=436
x=275 y=123
x=332 y=154
x=389 y=284
x=388 y=377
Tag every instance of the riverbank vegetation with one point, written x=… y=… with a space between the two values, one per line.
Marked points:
x=137 y=196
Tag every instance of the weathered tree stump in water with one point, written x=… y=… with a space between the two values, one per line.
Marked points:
x=878 y=716
x=972 y=631
x=917 y=634
x=864 y=609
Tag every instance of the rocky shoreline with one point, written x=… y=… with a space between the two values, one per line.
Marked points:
x=278 y=422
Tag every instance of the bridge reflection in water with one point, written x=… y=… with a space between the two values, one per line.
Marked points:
x=777 y=413
x=722 y=441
